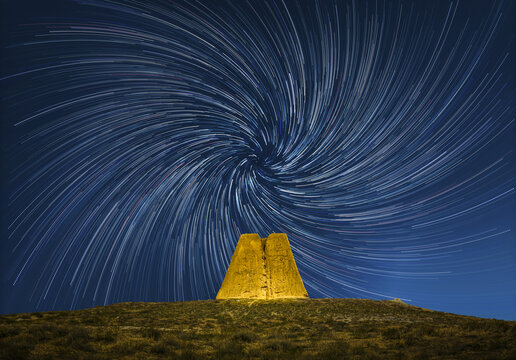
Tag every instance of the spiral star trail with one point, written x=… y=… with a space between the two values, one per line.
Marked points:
x=143 y=137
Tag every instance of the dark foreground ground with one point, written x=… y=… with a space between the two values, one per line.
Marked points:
x=246 y=329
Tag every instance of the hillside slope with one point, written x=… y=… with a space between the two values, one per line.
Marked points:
x=259 y=329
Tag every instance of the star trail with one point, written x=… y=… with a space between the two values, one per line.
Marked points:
x=143 y=137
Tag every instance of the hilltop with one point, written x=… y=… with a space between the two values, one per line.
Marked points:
x=255 y=329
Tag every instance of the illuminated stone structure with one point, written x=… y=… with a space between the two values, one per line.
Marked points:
x=262 y=269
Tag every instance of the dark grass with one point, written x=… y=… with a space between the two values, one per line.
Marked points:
x=255 y=329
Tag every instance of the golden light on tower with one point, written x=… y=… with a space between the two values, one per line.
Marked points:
x=262 y=269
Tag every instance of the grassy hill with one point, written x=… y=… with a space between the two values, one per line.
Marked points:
x=259 y=329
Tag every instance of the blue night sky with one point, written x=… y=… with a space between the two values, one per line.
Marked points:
x=141 y=138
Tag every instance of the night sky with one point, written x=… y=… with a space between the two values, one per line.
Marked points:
x=141 y=138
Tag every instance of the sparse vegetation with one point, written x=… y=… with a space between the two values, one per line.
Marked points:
x=255 y=329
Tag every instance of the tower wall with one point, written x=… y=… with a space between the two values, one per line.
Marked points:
x=282 y=270
x=246 y=271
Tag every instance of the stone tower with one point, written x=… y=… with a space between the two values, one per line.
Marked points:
x=262 y=269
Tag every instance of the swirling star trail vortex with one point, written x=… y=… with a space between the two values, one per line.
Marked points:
x=143 y=137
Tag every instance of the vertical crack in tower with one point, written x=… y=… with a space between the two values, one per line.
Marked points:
x=262 y=269
x=266 y=281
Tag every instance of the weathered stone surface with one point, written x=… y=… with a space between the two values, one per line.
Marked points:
x=262 y=269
